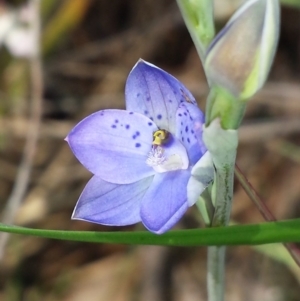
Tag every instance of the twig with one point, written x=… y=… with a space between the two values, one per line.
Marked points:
x=24 y=170
x=264 y=210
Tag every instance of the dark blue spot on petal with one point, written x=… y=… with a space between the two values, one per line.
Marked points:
x=130 y=113
x=137 y=145
x=159 y=116
x=170 y=100
x=127 y=126
x=116 y=121
x=182 y=139
x=146 y=112
x=137 y=133
x=180 y=114
x=113 y=126
x=150 y=123
x=192 y=131
x=186 y=129
x=151 y=118
x=188 y=140
x=134 y=136
x=185 y=114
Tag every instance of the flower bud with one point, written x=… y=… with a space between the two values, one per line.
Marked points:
x=199 y=19
x=240 y=57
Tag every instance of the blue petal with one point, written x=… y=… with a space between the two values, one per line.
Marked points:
x=156 y=94
x=111 y=204
x=190 y=122
x=114 y=145
x=165 y=201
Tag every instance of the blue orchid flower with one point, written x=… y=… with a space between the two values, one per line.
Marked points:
x=149 y=161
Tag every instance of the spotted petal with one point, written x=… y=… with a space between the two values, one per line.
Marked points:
x=190 y=121
x=111 y=204
x=165 y=201
x=114 y=145
x=156 y=94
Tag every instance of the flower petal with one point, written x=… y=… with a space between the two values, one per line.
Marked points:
x=165 y=201
x=156 y=94
x=111 y=204
x=114 y=145
x=202 y=176
x=190 y=121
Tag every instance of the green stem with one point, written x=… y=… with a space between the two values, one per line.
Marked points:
x=215 y=275
x=216 y=255
x=222 y=104
x=224 y=193
x=222 y=144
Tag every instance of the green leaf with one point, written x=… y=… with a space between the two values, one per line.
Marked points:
x=256 y=234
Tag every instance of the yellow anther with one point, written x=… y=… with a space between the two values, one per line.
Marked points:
x=160 y=136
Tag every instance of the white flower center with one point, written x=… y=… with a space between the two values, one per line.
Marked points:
x=161 y=163
x=156 y=156
x=167 y=153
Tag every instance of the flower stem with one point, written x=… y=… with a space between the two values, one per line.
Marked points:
x=216 y=255
x=215 y=274
x=222 y=144
x=224 y=192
